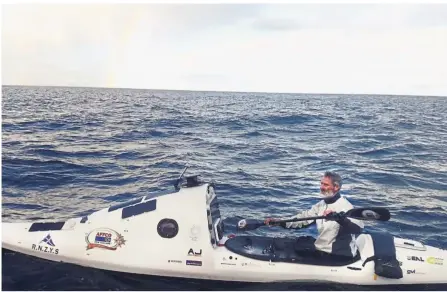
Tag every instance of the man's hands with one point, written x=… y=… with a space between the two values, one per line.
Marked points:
x=334 y=216
x=326 y=212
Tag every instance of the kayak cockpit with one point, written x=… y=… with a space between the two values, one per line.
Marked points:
x=283 y=250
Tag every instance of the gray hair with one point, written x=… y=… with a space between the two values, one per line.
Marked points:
x=335 y=178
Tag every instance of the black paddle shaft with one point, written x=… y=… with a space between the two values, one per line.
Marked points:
x=304 y=219
x=375 y=213
x=369 y=214
x=330 y=216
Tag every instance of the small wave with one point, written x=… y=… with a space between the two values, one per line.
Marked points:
x=290 y=120
x=48 y=152
x=406 y=125
x=38 y=180
x=376 y=152
x=120 y=197
x=113 y=181
x=128 y=155
x=21 y=206
x=251 y=134
x=15 y=164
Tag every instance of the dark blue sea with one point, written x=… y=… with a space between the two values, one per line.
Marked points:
x=69 y=151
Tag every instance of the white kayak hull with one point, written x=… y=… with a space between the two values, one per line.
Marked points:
x=170 y=235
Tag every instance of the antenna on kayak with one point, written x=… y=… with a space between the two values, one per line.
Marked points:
x=178 y=181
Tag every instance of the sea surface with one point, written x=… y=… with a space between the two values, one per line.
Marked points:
x=69 y=151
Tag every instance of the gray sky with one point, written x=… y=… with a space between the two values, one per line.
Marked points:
x=333 y=48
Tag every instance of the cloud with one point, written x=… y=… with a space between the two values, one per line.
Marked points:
x=276 y=24
x=97 y=40
x=380 y=48
x=351 y=16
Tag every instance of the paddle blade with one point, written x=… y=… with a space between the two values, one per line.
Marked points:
x=369 y=214
x=249 y=224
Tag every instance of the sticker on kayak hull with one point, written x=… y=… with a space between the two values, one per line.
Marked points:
x=194 y=232
x=191 y=252
x=104 y=238
x=409 y=272
x=435 y=261
x=46 y=245
x=193 y=263
x=416 y=259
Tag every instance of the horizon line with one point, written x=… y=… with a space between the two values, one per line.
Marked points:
x=224 y=91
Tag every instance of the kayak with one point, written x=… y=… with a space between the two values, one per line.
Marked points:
x=180 y=233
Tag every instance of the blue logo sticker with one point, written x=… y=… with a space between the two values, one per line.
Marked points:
x=47 y=247
x=48 y=240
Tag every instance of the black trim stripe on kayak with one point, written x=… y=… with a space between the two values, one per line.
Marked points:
x=46 y=226
x=139 y=209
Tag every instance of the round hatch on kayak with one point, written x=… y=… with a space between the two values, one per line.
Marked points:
x=167 y=228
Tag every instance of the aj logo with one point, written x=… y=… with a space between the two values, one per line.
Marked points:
x=191 y=252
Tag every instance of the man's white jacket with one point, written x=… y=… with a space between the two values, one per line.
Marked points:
x=334 y=237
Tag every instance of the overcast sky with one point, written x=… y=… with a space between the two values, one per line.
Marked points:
x=321 y=48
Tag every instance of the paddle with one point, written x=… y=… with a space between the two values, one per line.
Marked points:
x=367 y=214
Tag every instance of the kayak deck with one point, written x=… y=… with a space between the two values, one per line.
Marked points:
x=284 y=250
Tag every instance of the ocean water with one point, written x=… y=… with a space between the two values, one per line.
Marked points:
x=69 y=151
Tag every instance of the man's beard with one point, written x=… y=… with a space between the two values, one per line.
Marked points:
x=327 y=194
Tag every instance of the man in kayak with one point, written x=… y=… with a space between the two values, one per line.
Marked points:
x=336 y=237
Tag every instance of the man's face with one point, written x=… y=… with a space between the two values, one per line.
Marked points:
x=327 y=188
